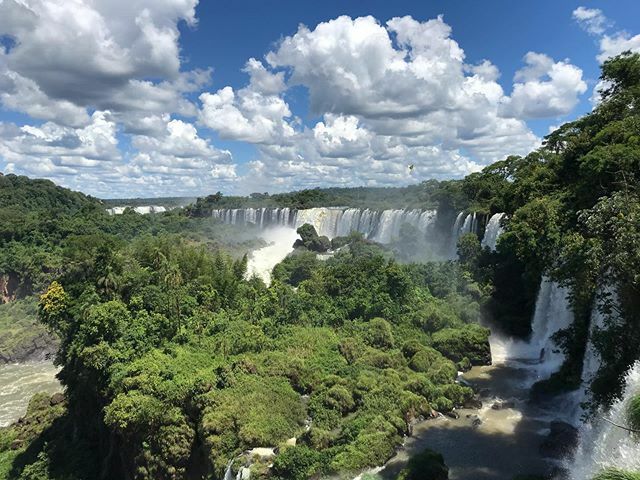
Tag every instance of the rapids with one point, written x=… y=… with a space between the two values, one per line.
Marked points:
x=19 y=382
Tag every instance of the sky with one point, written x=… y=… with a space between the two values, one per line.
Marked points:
x=151 y=98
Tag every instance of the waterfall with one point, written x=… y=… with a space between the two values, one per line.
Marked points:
x=228 y=473
x=142 y=210
x=539 y=354
x=263 y=217
x=605 y=445
x=280 y=241
x=493 y=231
x=590 y=364
x=467 y=226
x=591 y=361
x=463 y=224
x=380 y=226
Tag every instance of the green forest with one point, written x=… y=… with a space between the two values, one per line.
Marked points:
x=174 y=365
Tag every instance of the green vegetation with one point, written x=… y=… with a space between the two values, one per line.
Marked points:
x=310 y=239
x=617 y=475
x=573 y=211
x=42 y=415
x=428 y=194
x=633 y=413
x=167 y=202
x=175 y=365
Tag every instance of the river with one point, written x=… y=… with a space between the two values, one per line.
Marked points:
x=19 y=382
x=505 y=444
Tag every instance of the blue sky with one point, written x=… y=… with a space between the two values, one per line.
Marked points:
x=153 y=98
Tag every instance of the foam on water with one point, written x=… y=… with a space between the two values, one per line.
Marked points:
x=19 y=382
x=280 y=243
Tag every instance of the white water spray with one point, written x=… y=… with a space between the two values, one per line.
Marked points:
x=540 y=354
x=493 y=231
x=380 y=226
x=280 y=243
x=603 y=443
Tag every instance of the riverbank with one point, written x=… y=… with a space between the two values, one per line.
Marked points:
x=19 y=382
x=22 y=338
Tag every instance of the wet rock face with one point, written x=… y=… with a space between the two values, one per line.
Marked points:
x=561 y=441
x=35 y=349
x=473 y=404
x=503 y=405
x=475 y=420
x=9 y=284
x=56 y=399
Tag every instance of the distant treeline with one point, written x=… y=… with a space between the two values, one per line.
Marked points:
x=167 y=202
x=428 y=194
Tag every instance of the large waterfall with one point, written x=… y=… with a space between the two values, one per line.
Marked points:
x=492 y=231
x=142 y=210
x=540 y=354
x=590 y=366
x=606 y=443
x=278 y=228
x=378 y=225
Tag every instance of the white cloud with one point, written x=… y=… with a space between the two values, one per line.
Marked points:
x=98 y=54
x=592 y=20
x=545 y=88
x=106 y=75
x=121 y=60
x=596 y=23
x=52 y=150
x=77 y=158
x=391 y=96
x=256 y=114
x=610 y=46
x=178 y=160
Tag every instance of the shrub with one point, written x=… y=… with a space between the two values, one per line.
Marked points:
x=425 y=359
x=379 y=334
x=614 y=474
x=471 y=341
x=297 y=463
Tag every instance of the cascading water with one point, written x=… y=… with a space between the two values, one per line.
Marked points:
x=540 y=354
x=590 y=365
x=603 y=443
x=380 y=226
x=280 y=243
x=493 y=231
x=143 y=210
x=463 y=224
x=228 y=473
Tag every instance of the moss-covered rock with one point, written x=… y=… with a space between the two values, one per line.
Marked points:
x=427 y=465
x=22 y=337
x=613 y=474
